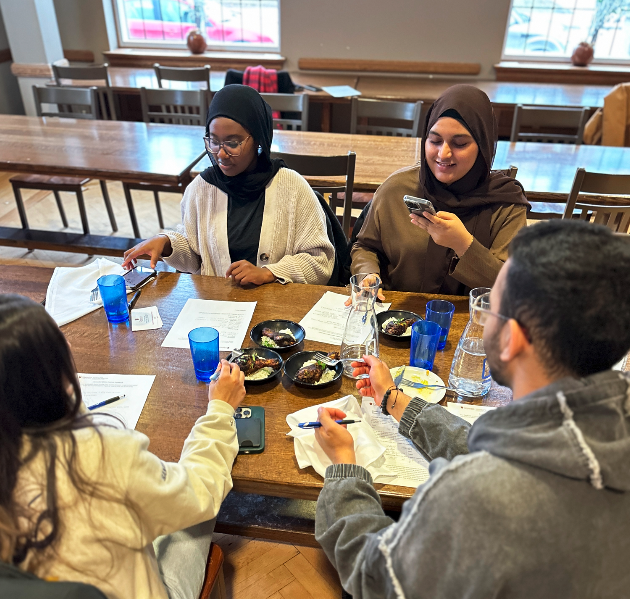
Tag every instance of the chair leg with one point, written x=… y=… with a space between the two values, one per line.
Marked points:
x=62 y=212
x=158 y=207
x=132 y=211
x=108 y=205
x=20 y=206
x=84 y=220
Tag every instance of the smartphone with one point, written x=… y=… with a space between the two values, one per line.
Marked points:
x=139 y=276
x=418 y=205
x=250 y=429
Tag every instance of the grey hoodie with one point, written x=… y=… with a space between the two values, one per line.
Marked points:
x=534 y=503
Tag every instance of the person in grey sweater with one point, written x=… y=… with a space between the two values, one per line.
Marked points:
x=533 y=500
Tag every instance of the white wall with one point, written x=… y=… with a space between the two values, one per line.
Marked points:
x=10 y=99
x=82 y=26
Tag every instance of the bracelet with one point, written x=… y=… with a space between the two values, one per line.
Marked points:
x=386 y=397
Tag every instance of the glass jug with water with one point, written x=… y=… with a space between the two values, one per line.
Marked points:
x=360 y=337
x=470 y=374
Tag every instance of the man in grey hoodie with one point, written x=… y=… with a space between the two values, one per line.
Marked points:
x=533 y=500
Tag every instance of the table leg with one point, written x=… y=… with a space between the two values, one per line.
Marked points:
x=326 y=116
x=132 y=211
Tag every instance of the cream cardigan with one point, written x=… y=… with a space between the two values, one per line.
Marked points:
x=294 y=243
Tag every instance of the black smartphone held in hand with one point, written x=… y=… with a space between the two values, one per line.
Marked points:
x=418 y=205
x=250 y=429
x=139 y=276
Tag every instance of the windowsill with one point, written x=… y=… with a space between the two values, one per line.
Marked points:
x=562 y=72
x=147 y=57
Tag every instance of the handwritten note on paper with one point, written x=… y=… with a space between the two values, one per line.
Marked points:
x=401 y=457
x=468 y=412
x=96 y=388
x=326 y=320
x=231 y=319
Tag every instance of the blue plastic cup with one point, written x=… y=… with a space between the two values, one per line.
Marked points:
x=425 y=336
x=441 y=311
x=204 y=348
x=114 y=295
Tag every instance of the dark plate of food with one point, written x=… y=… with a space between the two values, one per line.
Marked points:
x=279 y=335
x=259 y=365
x=396 y=324
x=305 y=371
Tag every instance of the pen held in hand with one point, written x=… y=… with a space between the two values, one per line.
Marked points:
x=318 y=424
x=106 y=402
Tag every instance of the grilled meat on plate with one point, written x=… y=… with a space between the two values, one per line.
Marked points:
x=398 y=327
x=250 y=363
x=313 y=372
x=281 y=339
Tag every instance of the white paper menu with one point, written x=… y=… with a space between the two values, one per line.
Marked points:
x=231 y=319
x=326 y=320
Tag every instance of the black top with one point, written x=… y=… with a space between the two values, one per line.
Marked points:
x=244 y=222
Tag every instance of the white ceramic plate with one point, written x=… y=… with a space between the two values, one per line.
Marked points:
x=419 y=375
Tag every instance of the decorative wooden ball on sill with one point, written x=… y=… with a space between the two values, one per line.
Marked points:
x=196 y=42
x=582 y=55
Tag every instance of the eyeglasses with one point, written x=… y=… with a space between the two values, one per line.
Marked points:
x=481 y=310
x=231 y=148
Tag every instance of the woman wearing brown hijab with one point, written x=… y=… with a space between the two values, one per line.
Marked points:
x=478 y=211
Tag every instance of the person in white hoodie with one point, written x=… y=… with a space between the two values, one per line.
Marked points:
x=247 y=216
x=88 y=502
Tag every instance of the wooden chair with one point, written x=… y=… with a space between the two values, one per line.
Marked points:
x=167 y=106
x=186 y=74
x=610 y=203
x=91 y=74
x=538 y=120
x=289 y=103
x=376 y=117
x=72 y=102
x=313 y=166
x=213 y=583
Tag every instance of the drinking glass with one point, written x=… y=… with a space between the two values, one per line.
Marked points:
x=475 y=293
x=425 y=336
x=114 y=295
x=441 y=311
x=204 y=348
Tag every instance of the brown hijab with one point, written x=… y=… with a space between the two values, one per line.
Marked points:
x=474 y=196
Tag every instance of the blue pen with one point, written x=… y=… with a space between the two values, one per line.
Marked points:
x=318 y=424
x=106 y=402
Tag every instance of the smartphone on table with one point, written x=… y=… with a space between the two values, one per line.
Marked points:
x=250 y=429
x=418 y=205
x=138 y=277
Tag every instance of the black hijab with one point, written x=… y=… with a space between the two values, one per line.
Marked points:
x=246 y=106
x=473 y=197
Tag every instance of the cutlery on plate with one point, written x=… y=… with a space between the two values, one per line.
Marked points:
x=236 y=353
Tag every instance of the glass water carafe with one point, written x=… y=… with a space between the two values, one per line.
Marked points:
x=470 y=374
x=360 y=337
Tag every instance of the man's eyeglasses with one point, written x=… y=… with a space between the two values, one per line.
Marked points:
x=231 y=148
x=482 y=312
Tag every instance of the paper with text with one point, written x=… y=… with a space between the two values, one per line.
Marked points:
x=145 y=319
x=96 y=388
x=469 y=412
x=326 y=320
x=231 y=319
x=400 y=457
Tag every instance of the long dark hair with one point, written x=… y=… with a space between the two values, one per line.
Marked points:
x=40 y=399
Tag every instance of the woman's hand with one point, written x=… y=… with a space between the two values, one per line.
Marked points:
x=368 y=281
x=230 y=386
x=244 y=273
x=446 y=230
x=334 y=438
x=155 y=247
x=380 y=378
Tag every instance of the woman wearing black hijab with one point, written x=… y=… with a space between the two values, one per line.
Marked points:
x=247 y=216
x=479 y=211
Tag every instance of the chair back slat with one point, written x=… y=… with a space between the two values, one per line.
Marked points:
x=293 y=103
x=378 y=117
x=173 y=106
x=72 y=102
x=189 y=74
x=538 y=119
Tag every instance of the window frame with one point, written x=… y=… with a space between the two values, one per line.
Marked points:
x=551 y=59
x=163 y=45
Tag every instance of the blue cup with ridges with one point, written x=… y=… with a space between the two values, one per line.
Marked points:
x=441 y=311
x=204 y=348
x=425 y=336
x=114 y=295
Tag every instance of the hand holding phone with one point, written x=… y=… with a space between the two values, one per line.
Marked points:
x=138 y=277
x=418 y=205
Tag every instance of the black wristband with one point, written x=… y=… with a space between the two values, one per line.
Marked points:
x=385 y=398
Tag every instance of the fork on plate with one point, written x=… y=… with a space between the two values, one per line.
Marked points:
x=407 y=383
x=236 y=353
x=321 y=357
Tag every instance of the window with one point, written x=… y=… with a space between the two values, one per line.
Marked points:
x=551 y=29
x=226 y=24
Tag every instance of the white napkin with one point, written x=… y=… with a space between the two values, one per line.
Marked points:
x=68 y=295
x=366 y=446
